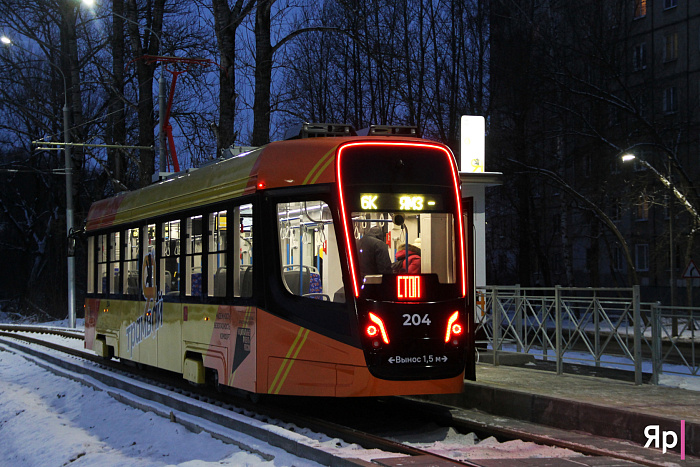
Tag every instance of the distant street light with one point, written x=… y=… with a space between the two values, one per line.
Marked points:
x=69 y=188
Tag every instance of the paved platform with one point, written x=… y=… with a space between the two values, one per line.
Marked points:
x=601 y=406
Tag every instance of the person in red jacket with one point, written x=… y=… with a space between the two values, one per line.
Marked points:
x=410 y=266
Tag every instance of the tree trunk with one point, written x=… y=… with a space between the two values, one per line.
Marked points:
x=226 y=22
x=116 y=128
x=263 y=74
x=145 y=73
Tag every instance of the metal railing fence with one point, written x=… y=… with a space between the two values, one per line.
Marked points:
x=601 y=327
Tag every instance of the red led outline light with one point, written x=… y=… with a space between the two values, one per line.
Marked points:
x=458 y=202
x=378 y=321
x=450 y=322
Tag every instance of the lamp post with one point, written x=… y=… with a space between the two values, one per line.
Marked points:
x=667 y=181
x=69 y=189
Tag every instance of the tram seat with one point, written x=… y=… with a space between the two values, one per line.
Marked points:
x=220 y=282
x=246 y=281
x=291 y=279
x=197 y=282
x=168 y=282
x=104 y=283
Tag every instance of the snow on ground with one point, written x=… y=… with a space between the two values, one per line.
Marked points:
x=48 y=420
x=449 y=443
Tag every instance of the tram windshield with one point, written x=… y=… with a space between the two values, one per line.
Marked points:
x=405 y=243
x=401 y=208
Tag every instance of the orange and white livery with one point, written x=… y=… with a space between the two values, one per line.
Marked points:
x=247 y=272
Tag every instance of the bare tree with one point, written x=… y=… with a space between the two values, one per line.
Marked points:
x=227 y=19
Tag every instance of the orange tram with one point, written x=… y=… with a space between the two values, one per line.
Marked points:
x=247 y=272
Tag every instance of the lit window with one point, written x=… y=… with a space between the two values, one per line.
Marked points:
x=310 y=260
x=643 y=208
x=640 y=8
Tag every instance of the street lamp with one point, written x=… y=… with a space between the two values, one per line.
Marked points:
x=69 y=189
x=627 y=157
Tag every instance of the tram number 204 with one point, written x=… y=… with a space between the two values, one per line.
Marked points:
x=415 y=319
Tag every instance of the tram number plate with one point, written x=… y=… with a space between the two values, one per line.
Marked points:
x=418 y=359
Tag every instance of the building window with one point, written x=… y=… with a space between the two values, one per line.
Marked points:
x=670 y=100
x=643 y=208
x=616 y=211
x=671 y=47
x=639 y=57
x=640 y=8
x=618 y=262
x=670 y=4
x=641 y=257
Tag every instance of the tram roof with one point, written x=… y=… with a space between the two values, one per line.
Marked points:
x=287 y=163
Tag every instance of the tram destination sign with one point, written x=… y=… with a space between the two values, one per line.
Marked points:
x=402 y=202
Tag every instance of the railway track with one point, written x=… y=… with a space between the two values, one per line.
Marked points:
x=169 y=396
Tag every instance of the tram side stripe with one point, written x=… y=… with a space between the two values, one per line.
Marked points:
x=318 y=164
x=325 y=166
x=288 y=361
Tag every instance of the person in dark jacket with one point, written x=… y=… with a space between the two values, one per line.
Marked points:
x=412 y=266
x=374 y=254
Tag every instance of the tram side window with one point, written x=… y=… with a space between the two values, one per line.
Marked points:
x=114 y=257
x=216 y=274
x=91 y=265
x=102 y=249
x=149 y=245
x=242 y=217
x=170 y=258
x=193 y=257
x=310 y=259
x=131 y=262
